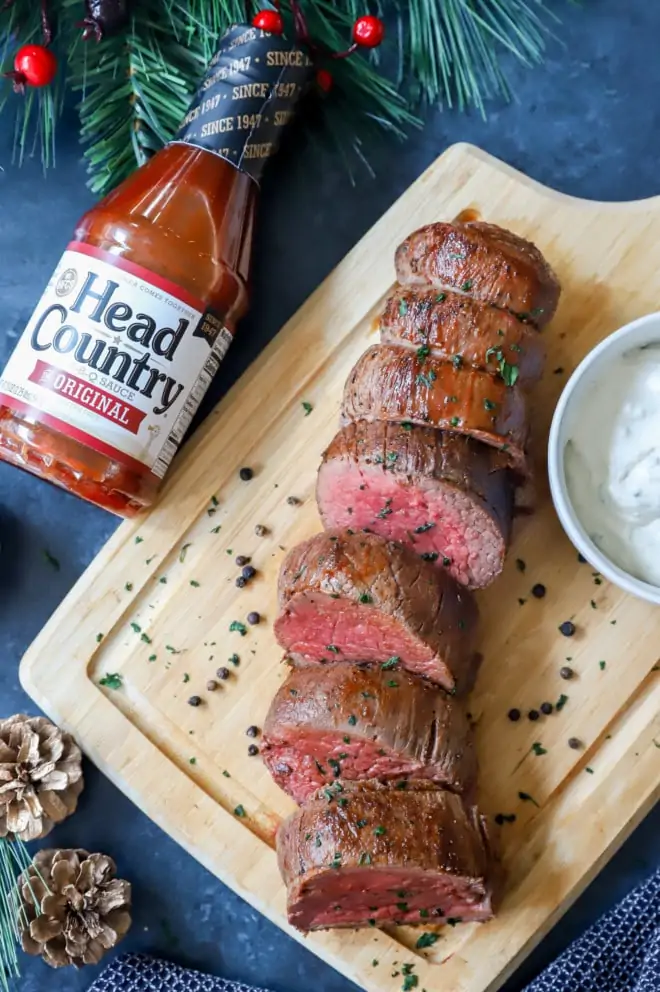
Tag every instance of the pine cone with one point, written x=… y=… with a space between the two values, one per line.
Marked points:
x=85 y=910
x=40 y=776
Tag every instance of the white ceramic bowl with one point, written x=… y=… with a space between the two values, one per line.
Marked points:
x=571 y=402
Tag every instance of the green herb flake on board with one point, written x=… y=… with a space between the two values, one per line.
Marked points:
x=307 y=407
x=237 y=626
x=526 y=798
x=184 y=552
x=112 y=680
x=538 y=749
x=426 y=940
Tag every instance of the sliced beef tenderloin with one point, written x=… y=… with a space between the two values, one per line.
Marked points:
x=393 y=383
x=446 y=496
x=358 y=597
x=368 y=855
x=353 y=722
x=484 y=261
x=456 y=327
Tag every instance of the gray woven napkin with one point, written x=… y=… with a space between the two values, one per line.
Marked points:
x=619 y=953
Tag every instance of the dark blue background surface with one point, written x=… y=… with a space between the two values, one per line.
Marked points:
x=587 y=123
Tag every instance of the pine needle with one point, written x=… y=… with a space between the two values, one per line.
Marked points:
x=14 y=859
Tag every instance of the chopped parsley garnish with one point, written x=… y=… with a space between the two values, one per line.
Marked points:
x=467 y=286
x=424 y=913
x=441 y=297
x=429 y=556
x=379 y=831
x=336 y=768
x=589 y=770
x=236 y=625
x=402 y=906
x=145 y=637
x=446 y=561
x=135 y=627
x=516 y=347
x=391 y=662
x=346 y=739
x=194 y=583
x=193 y=761
x=183 y=552
x=427 y=939
x=594 y=604
x=361 y=823
x=403 y=308
x=455 y=421
x=128 y=586
x=216 y=530
x=234 y=659
x=112 y=680
x=457 y=361
x=452 y=921
x=407 y=426
x=456 y=254
x=423 y=528
x=172 y=650
x=393 y=684
x=367 y=695
x=352 y=720
x=99 y=638
x=336 y=861
x=307 y=407
x=489 y=405
x=152 y=657
x=163 y=579
x=226 y=774
x=426 y=378
x=392 y=456
x=601 y=665
x=526 y=798
x=423 y=352
x=366 y=598
x=139 y=540
x=239 y=811
x=332 y=648
x=186 y=677
x=364 y=859
x=561 y=702
x=538 y=749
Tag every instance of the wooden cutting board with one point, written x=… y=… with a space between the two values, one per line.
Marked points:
x=157 y=603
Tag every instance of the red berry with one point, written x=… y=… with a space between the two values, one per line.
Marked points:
x=35 y=65
x=368 y=31
x=324 y=80
x=269 y=20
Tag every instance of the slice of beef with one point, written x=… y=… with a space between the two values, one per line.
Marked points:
x=446 y=496
x=370 y=855
x=352 y=723
x=358 y=597
x=393 y=383
x=457 y=327
x=485 y=261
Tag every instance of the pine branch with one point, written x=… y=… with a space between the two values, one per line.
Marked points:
x=134 y=89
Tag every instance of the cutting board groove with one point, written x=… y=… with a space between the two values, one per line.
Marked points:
x=144 y=735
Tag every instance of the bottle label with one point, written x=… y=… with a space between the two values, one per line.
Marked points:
x=116 y=357
x=246 y=98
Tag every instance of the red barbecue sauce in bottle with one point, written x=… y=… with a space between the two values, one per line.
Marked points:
x=127 y=337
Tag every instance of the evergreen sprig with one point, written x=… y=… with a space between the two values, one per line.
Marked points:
x=134 y=89
x=14 y=859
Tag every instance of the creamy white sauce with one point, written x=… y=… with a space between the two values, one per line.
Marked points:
x=612 y=462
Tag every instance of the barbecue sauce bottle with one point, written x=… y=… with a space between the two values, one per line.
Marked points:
x=143 y=305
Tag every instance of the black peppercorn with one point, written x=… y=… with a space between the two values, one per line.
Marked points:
x=249 y=572
x=514 y=714
x=252 y=750
x=241 y=582
x=211 y=685
x=533 y=715
x=195 y=701
x=567 y=628
x=575 y=743
x=246 y=474
x=546 y=708
x=260 y=530
x=566 y=672
x=499 y=819
x=254 y=618
x=252 y=731
x=538 y=590
x=223 y=673
x=293 y=500
x=241 y=560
